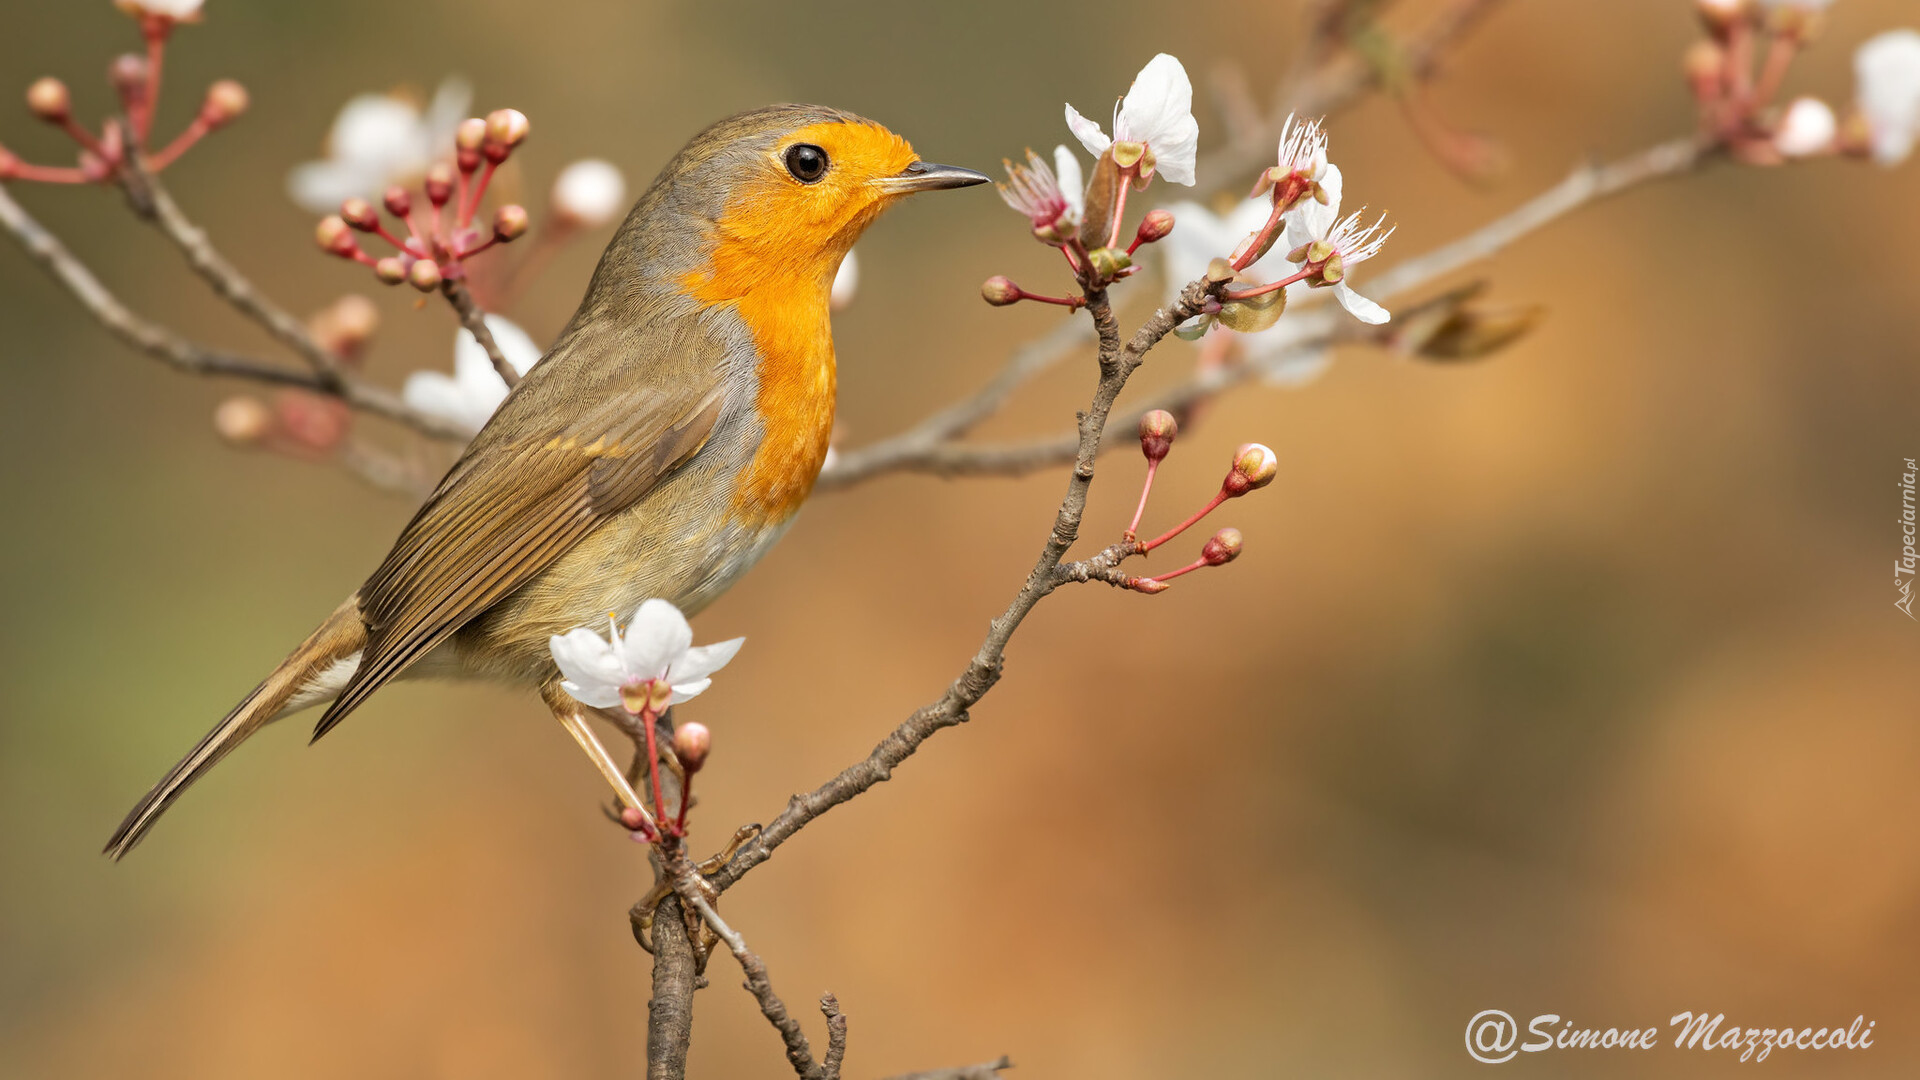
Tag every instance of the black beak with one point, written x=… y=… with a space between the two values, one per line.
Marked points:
x=926 y=176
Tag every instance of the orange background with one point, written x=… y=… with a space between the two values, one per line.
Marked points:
x=1565 y=682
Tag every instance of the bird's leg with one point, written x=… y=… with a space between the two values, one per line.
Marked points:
x=571 y=715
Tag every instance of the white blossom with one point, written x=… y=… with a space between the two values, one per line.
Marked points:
x=1157 y=113
x=469 y=396
x=1315 y=222
x=379 y=140
x=177 y=10
x=1806 y=128
x=1887 y=69
x=590 y=192
x=846 y=282
x=657 y=646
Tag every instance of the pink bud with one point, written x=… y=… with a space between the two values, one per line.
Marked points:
x=690 y=745
x=1254 y=467
x=391 y=270
x=439 y=184
x=509 y=222
x=1000 y=292
x=225 y=102
x=471 y=133
x=1222 y=547
x=359 y=214
x=508 y=127
x=1157 y=431
x=424 y=275
x=334 y=237
x=50 y=100
x=1155 y=226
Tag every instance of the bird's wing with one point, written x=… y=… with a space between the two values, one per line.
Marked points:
x=514 y=503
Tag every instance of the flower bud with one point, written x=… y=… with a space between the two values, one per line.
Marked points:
x=471 y=134
x=1155 y=226
x=507 y=127
x=690 y=745
x=358 y=213
x=243 y=421
x=225 y=102
x=50 y=100
x=999 y=291
x=128 y=77
x=398 y=201
x=391 y=270
x=334 y=237
x=424 y=275
x=1254 y=467
x=1222 y=547
x=439 y=184
x=509 y=222
x=1157 y=431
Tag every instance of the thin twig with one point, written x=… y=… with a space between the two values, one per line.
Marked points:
x=986 y=1070
x=475 y=320
x=799 y=1053
x=1312 y=328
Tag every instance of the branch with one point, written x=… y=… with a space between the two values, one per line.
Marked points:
x=986 y=1070
x=1117 y=364
x=1312 y=328
x=799 y=1053
x=152 y=203
x=475 y=320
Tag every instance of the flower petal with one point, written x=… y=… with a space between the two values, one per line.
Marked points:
x=1087 y=132
x=657 y=638
x=1359 y=306
x=703 y=660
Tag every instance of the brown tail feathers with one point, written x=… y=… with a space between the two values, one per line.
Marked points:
x=341 y=636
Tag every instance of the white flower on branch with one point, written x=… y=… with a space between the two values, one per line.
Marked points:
x=1806 y=128
x=656 y=647
x=1152 y=125
x=1201 y=236
x=177 y=10
x=1340 y=243
x=470 y=395
x=379 y=140
x=589 y=193
x=1887 y=68
x=846 y=282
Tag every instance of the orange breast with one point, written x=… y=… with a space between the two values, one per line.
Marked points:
x=786 y=312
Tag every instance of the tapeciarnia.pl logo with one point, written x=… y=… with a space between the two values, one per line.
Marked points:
x=1493 y=1036
x=1903 y=566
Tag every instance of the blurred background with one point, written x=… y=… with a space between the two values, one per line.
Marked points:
x=1568 y=681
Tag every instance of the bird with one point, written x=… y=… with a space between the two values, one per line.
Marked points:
x=660 y=447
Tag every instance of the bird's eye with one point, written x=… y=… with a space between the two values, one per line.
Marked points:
x=807 y=163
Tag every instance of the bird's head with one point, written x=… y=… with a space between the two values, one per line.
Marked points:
x=779 y=193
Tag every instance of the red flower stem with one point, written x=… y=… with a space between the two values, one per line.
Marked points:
x=1145 y=490
x=1120 y=207
x=647 y=717
x=156 y=30
x=181 y=143
x=1064 y=301
x=1185 y=525
x=479 y=191
x=1187 y=569
x=1261 y=241
x=1271 y=286
x=1773 y=70
x=47 y=174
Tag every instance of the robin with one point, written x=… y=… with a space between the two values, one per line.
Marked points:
x=658 y=450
